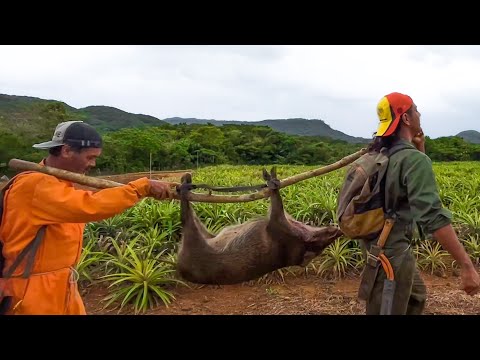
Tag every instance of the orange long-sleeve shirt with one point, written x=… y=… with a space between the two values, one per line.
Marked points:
x=37 y=199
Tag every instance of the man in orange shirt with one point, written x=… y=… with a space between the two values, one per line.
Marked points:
x=53 y=212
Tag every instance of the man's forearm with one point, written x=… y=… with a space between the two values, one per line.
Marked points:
x=447 y=237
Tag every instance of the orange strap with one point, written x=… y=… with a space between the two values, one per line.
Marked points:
x=387 y=266
x=387 y=227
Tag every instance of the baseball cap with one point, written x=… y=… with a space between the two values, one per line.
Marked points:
x=389 y=109
x=74 y=133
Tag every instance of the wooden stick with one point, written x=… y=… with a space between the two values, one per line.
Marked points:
x=91 y=181
x=323 y=170
x=103 y=184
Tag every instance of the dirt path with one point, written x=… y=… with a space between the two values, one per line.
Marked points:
x=297 y=295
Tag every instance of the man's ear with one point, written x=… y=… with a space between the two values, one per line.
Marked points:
x=66 y=152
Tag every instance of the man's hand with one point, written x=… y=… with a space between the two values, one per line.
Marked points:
x=448 y=239
x=470 y=280
x=161 y=190
x=419 y=141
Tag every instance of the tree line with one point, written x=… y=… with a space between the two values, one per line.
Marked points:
x=169 y=147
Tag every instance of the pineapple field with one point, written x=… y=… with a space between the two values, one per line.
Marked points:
x=128 y=262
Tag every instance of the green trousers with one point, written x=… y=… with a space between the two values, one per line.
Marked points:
x=410 y=290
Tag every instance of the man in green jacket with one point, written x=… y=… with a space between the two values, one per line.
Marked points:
x=411 y=191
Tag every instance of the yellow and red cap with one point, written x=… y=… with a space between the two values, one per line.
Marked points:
x=389 y=109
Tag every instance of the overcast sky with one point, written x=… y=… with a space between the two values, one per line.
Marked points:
x=338 y=84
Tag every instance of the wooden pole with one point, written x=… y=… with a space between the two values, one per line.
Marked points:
x=150 y=164
x=91 y=181
x=23 y=165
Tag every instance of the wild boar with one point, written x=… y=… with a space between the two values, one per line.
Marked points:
x=246 y=251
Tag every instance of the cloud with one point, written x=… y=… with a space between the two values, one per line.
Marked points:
x=338 y=84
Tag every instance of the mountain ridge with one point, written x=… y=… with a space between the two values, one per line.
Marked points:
x=27 y=114
x=292 y=126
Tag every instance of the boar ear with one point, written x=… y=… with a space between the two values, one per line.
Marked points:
x=273 y=172
x=186 y=178
x=266 y=175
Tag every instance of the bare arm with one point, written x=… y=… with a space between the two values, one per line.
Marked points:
x=447 y=237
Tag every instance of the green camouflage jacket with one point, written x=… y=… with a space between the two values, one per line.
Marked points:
x=411 y=190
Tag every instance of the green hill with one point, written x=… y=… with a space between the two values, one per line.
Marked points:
x=35 y=118
x=471 y=136
x=106 y=118
x=133 y=144
x=296 y=126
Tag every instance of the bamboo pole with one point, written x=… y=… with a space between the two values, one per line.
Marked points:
x=94 y=182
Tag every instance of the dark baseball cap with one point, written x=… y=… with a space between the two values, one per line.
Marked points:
x=74 y=133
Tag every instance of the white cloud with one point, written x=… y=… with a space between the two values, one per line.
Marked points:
x=338 y=84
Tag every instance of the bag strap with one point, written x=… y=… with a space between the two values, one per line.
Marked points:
x=2 y=199
x=6 y=187
x=390 y=214
x=2 y=194
x=31 y=248
x=396 y=148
